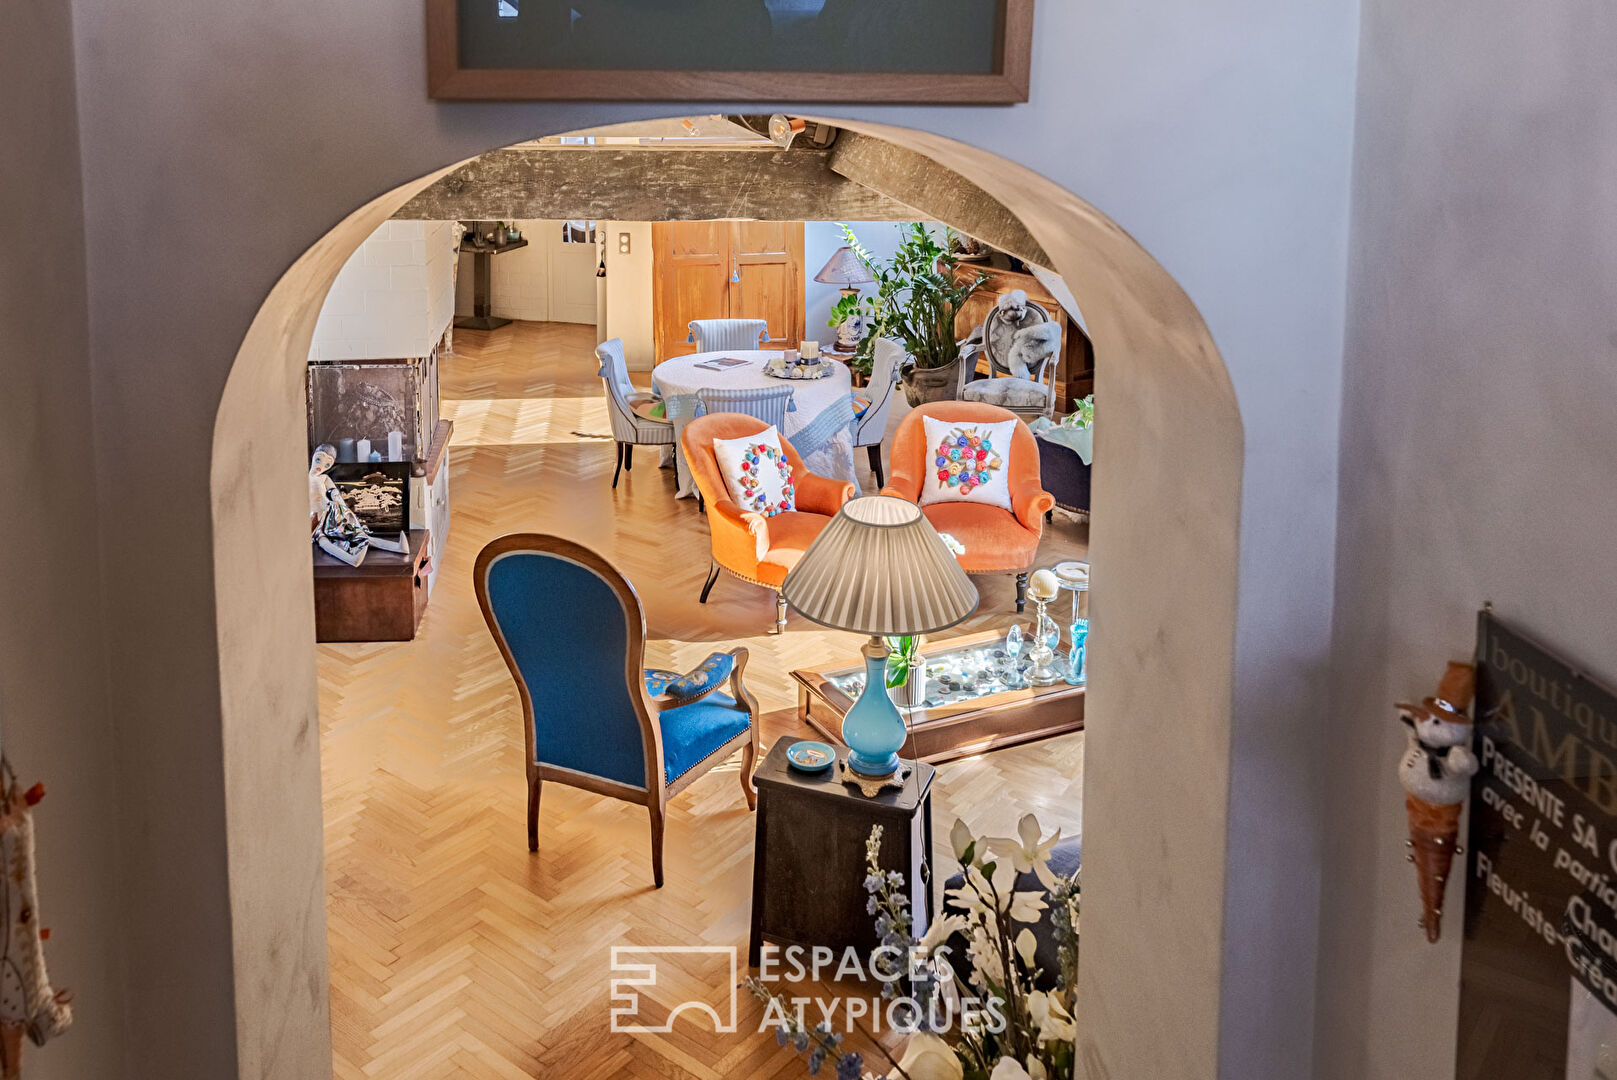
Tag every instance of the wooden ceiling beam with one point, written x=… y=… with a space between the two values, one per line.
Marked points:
x=652 y=184
x=934 y=192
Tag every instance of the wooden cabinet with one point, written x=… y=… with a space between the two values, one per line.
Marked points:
x=381 y=599
x=726 y=270
x=429 y=498
x=1075 y=374
x=808 y=862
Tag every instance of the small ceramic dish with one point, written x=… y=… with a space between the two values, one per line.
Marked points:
x=1072 y=574
x=810 y=756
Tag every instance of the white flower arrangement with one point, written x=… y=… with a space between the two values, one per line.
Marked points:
x=1033 y=1039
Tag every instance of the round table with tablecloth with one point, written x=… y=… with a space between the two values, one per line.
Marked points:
x=818 y=425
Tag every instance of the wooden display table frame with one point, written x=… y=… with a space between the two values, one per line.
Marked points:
x=949 y=732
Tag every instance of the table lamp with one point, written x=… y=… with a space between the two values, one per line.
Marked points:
x=844 y=269
x=879 y=568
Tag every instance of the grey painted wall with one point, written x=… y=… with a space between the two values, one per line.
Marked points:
x=1218 y=133
x=53 y=711
x=1479 y=442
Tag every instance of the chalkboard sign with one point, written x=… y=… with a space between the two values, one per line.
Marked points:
x=914 y=51
x=1538 y=974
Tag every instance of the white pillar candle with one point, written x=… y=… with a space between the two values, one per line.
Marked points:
x=362 y=450
x=395 y=446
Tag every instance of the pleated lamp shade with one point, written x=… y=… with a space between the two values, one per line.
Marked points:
x=844 y=268
x=880 y=568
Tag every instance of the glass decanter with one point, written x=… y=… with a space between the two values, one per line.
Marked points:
x=1011 y=665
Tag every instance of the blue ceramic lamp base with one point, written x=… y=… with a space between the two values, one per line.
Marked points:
x=874 y=729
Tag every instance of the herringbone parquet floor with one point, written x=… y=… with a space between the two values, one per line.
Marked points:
x=456 y=953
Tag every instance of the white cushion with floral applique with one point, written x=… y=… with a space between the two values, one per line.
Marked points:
x=966 y=462
x=757 y=473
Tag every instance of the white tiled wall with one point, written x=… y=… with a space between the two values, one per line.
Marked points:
x=394 y=297
x=521 y=280
x=536 y=282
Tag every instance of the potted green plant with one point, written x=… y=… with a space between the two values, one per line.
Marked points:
x=906 y=674
x=917 y=300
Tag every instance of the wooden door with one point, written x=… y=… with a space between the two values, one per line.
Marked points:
x=690 y=279
x=769 y=263
x=726 y=270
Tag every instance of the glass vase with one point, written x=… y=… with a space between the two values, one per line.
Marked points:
x=1075 y=674
x=1044 y=654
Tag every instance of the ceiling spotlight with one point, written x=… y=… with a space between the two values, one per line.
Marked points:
x=783 y=129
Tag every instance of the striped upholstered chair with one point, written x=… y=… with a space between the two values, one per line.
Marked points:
x=629 y=428
x=715 y=335
x=769 y=404
x=573 y=633
x=870 y=425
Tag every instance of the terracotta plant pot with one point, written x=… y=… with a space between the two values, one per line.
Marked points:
x=922 y=385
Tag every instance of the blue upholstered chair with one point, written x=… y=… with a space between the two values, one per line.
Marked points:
x=714 y=335
x=573 y=633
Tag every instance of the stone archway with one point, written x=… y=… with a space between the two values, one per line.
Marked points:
x=1165 y=530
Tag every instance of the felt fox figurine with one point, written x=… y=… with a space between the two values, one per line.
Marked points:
x=27 y=1002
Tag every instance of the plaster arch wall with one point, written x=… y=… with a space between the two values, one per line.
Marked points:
x=1218 y=134
x=1164 y=535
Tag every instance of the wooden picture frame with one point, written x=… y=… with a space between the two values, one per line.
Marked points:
x=1007 y=84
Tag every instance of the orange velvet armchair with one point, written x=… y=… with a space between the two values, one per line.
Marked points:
x=997 y=541
x=753 y=547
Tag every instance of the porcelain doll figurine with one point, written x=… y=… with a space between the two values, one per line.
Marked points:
x=324 y=457
x=337 y=529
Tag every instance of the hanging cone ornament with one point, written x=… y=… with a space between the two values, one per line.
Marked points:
x=1436 y=772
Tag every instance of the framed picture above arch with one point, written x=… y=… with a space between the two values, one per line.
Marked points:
x=923 y=52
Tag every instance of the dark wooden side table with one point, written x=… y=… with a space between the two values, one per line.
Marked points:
x=381 y=599
x=808 y=863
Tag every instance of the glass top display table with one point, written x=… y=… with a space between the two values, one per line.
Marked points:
x=974 y=701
